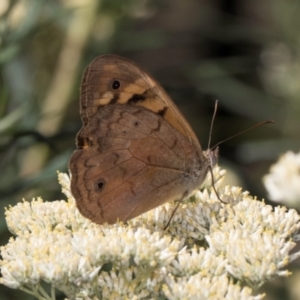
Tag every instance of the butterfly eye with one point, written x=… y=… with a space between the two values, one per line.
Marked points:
x=115 y=84
x=100 y=185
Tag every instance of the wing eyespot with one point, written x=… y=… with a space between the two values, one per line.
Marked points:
x=99 y=185
x=115 y=85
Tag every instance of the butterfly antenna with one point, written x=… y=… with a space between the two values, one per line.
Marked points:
x=239 y=133
x=208 y=147
x=212 y=123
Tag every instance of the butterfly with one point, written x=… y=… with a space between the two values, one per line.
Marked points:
x=135 y=150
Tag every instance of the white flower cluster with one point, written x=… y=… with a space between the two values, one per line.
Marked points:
x=283 y=181
x=210 y=250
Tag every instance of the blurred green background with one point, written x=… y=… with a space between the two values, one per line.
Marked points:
x=244 y=53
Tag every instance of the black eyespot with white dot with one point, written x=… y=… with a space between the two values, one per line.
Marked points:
x=115 y=85
x=99 y=185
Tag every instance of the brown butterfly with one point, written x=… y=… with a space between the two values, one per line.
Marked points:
x=135 y=150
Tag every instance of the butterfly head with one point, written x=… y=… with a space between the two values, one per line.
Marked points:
x=212 y=156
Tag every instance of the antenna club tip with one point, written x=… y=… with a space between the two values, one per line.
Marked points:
x=270 y=121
